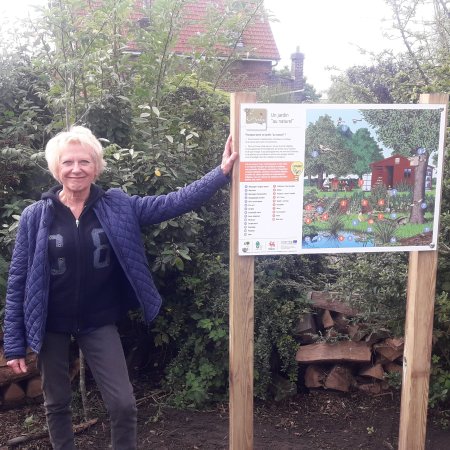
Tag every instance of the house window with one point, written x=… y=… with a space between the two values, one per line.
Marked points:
x=144 y=22
x=397 y=161
x=236 y=39
x=407 y=173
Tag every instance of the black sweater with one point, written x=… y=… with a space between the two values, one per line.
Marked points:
x=86 y=282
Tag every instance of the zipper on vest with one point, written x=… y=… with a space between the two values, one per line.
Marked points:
x=78 y=277
x=80 y=270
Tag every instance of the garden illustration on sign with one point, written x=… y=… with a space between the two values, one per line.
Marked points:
x=371 y=177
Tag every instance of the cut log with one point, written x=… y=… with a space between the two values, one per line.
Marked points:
x=377 y=336
x=13 y=394
x=332 y=334
x=389 y=350
x=370 y=388
x=8 y=376
x=334 y=352
x=340 y=378
x=327 y=320
x=3 y=361
x=315 y=376
x=373 y=371
x=357 y=332
x=306 y=325
x=380 y=359
x=2 y=358
x=341 y=323
x=396 y=343
x=330 y=301
x=34 y=387
x=393 y=368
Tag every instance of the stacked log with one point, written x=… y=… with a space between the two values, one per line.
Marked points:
x=15 y=389
x=342 y=354
x=18 y=389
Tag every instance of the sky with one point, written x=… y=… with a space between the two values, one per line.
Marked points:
x=328 y=32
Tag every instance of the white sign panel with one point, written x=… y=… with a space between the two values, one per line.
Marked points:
x=339 y=178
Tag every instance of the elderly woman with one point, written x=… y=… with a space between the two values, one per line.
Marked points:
x=78 y=265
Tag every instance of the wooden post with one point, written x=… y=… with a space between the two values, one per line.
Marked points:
x=241 y=309
x=418 y=337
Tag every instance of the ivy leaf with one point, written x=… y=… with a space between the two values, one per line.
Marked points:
x=179 y=264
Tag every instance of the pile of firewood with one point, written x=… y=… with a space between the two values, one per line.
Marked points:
x=336 y=352
x=15 y=389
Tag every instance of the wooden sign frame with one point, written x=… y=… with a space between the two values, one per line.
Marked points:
x=418 y=337
x=418 y=327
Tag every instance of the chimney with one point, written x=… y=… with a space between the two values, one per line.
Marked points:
x=297 y=74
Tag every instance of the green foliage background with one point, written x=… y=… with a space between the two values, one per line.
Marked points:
x=163 y=124
x=401 y=78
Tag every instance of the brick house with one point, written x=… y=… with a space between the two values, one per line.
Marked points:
x=256 y=47
x=252 y=60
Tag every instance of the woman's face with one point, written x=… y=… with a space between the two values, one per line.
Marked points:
x=76 y=169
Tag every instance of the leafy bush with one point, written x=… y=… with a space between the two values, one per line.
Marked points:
x=371 y=284
x=194 y=325
x=378 y=192
x=281 y=284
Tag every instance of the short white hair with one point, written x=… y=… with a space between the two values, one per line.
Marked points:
x=76 y=135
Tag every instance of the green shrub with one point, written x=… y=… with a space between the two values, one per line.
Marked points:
x=375 y=283
x=281 y=284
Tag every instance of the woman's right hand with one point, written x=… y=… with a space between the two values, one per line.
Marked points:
x=229 y=156
x=18 y=365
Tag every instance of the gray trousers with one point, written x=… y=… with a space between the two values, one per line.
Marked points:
x=104 y=354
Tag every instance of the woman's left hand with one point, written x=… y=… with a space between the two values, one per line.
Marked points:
x=229 y=156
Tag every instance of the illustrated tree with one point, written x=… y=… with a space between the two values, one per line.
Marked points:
x=326 y=150
x=414 y=134
x=365 y=150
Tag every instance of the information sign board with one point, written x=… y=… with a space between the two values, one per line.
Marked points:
x=339 y=178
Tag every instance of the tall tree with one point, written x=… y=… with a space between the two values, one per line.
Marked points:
x=326 y=150
x=80 y=44
x=411 y=133
x=423 y=27
x=365 y=150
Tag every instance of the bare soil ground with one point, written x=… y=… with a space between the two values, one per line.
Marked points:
x=317 y=420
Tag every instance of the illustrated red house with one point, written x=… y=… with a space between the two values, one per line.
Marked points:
x=396 y=170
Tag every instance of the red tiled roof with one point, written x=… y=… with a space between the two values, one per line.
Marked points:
x=257 y=39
